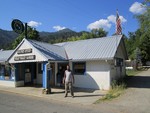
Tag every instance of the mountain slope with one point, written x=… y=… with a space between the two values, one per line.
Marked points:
x=59 y=35
x=7 y=37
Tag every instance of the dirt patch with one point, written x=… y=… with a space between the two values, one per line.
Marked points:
x=136 y=98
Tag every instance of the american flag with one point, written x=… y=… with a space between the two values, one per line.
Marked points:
x=118 y=25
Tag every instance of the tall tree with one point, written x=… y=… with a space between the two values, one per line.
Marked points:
x=141 y=38
x=144 y=44
x=31 y=34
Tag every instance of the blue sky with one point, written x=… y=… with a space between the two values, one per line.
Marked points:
x=78 y=15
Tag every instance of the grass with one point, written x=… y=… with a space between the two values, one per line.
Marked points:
x=132 y=72
x=118 y=87
x=116 y=90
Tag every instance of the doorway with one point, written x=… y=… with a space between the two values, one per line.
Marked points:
x=60 y=72
x=30 y=73
x=52 y=77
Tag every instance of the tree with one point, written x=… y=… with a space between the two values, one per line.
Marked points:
x=95 y=33
x=132 y=43
x=141 y=37
x=99 y=32
x=144 y=44
x=145 y=47
x=31 y=34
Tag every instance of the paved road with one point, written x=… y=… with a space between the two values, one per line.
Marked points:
x=15 y=103
x=136 y=98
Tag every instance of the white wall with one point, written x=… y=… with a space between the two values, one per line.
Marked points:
x=19 y=83
x=121 y=54
x=11 y=83
x=7 y=83
x=96 y=76
x=27 y=45
x=117 y=72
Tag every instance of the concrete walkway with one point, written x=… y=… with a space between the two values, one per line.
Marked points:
x=82 y=96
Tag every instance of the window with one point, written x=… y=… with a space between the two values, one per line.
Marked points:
x=79 y=68
x=118 y=62
x=2 y=70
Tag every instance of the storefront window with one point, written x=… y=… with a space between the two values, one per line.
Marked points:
x=2 y=71
x=79 y=68
x=5 y=71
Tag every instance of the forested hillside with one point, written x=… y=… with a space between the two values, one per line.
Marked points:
x=8 y=37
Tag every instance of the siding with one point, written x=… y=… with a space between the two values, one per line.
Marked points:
x=96 y=77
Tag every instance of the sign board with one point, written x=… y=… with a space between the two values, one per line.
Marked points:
x=17 y=26
x=24 y=51
x=27 y=57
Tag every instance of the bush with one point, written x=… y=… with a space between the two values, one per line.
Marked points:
x=117 y=88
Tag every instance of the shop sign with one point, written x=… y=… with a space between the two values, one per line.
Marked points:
x=28 y=57
x=24 y=51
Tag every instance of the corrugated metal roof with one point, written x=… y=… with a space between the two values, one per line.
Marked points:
x=4 y=55
x=97 y=48
x=51 y=52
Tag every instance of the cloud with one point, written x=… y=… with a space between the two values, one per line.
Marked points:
x=34 y=23
x=137 y=8
x=112 y=18
x=102 y=23
x=123 y=20
x=105 y=23
x=58 y=28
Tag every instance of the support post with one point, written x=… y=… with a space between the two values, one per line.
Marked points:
x=26 y=30
x=46 y=78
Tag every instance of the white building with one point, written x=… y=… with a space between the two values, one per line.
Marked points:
x=94 y=62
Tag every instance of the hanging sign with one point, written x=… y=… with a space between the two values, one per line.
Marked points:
x=17 y=26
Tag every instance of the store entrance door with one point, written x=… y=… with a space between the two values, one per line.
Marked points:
x=52 y=77
x=60 y=73
x=30 y=73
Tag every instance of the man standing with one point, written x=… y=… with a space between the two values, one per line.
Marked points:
x=68 y=80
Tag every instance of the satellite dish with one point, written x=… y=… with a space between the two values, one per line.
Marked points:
x=17 y=26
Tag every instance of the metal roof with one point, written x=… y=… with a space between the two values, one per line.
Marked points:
x=4 y=55
x=51 y=52
x=97 y=48
x=92 y=49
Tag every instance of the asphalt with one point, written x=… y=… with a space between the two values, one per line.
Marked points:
x=81 y=96
x=15 y=103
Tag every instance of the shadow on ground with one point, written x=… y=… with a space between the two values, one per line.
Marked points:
x=88 y=95
x=138 y=81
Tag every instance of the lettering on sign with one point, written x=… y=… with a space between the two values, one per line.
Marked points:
x=28 y=57
x=24 y=51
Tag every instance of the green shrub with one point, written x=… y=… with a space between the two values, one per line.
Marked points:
x=117 y=88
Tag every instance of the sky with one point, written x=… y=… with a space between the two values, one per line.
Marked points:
x=77 y=15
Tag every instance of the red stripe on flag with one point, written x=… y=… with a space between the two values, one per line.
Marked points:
x=118 y=25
